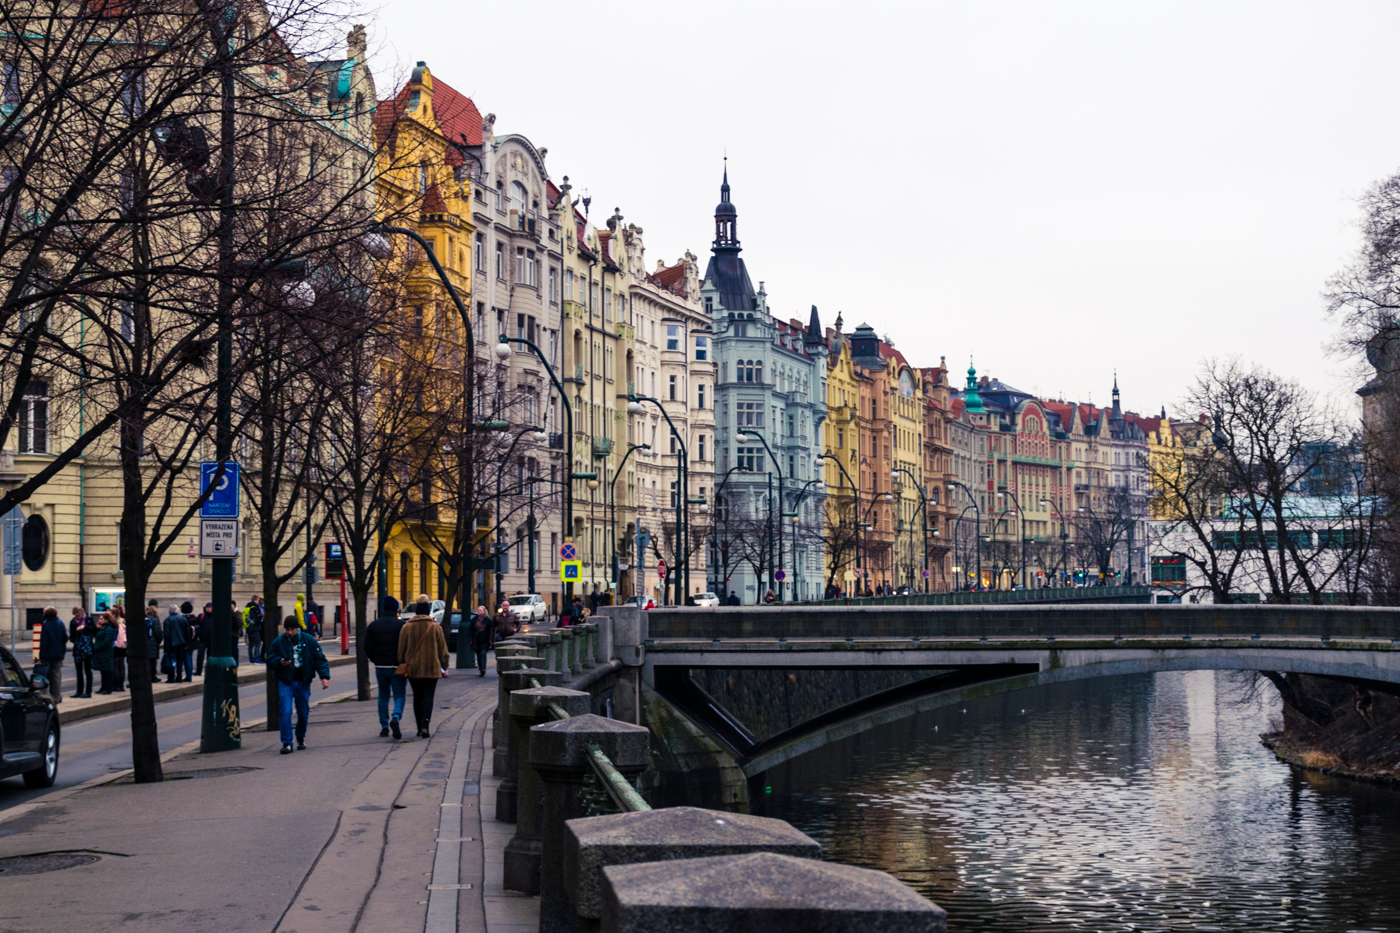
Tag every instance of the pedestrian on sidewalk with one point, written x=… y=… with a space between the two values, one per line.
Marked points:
x=53 y=648
x=235 y=620
x=177 y=640
x=423 y=647
x=202 y=628
x=80 y=631
x=382 y=646
x=296 y=659
x=483 y=633
x=103 y=646
x=154 y=634
x=253 y=623
x=118 y=615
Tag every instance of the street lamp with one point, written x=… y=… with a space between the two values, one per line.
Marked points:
x=978 y=511
x=923 y=503
x=1021 y=521
x=855 y=492
x=612 y=496
x=1064 y=537
x=778 y=468
x=682 y=584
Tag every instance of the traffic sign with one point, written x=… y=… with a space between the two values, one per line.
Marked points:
x=925 y=574
x=661 y=569
x=570 y=571
x=218 y=538
x=567 y=551
x=13 y=524
x=223 y=501
x=335 y=560
x=780 y=575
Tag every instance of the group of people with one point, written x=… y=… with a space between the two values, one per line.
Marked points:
x=409 y=653
x=176 y=645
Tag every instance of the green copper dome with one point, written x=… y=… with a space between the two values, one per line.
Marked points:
x=972 y=399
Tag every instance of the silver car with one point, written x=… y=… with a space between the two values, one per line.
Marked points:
x=529 y=608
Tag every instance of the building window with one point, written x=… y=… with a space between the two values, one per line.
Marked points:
x=607 y=304
x=553 y=285
x=500 y=260
x=422 y=178
x=34 y=418
x=702 y=447
x=673 y=336
x=9 y=86
x=702 y=348
x=671 y=388
x=701 y=393
x=569 y=285
x=593 y=296
x=500 y=200
x=751 y=459
x=126 y=314
x=674 y=447
x=480 y=252
x=739 y=330
x=749 y=415
x=526 y=267
x=34 y=540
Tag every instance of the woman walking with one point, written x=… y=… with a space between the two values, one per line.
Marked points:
x=103 y=647
x=80 y=632
x=118 y=615
x=423 y=652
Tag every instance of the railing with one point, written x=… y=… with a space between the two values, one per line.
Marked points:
x=556 y=441
x=602 y=446
x=604 y=790
x=1047 y=594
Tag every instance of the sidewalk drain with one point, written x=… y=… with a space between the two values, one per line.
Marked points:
x=187 y=775
x=48 y=861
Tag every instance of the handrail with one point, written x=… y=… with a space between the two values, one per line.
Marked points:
x=623 y=794
x=555 y=709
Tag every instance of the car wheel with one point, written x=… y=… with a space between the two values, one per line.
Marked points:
x=45 y=775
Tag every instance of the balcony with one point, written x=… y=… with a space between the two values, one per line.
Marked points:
x=556 y=442
x=572 y=309
x=602 y=446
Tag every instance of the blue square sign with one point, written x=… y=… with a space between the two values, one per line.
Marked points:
x=223 y=501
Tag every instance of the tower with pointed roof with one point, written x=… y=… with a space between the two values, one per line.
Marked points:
x=771 y=383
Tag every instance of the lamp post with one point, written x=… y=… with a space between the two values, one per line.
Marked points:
x=719 y=491
x=977 y=510
x=1021 y=524
x=778 y=468
x=1064 y=538
x=682 y=571
x=957 y=535
x=923 y=503
x=855 y=492
x=612 y=497
x=795 y=516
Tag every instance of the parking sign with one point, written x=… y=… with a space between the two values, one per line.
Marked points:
x=223 y=501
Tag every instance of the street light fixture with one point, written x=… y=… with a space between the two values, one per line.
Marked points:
x=682 y=554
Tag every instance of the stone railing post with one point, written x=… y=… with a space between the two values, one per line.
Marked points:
x=559 y=752
x=509 y=772
x=594 y=843
x=529 y=708
x=584 y=640
x=505 y=649
x=629 y=634
x=555 y=652
x=500 y=737
x=574 y=665
x=602 y=640
x=761 y=891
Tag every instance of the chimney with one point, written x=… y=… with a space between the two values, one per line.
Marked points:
x=356 y=43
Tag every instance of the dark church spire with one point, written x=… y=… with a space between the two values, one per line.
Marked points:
x=726 y=217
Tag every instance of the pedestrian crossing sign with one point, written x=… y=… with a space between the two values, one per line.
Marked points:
x=570 y=571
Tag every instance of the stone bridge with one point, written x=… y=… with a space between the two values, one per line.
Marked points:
x=971 y=652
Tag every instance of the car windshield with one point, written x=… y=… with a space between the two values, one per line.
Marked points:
x=521 y=600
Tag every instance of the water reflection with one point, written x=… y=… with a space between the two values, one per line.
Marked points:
x=1140 y=803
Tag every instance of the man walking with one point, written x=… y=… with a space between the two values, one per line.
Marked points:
x=296 y=660
x=253 y=624
x=382 y=646
x=177 y=640
x=203 y=628
x=53 y=647
x=482 y=637
x=154 y=634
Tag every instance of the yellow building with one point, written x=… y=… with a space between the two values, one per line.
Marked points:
x=425 y=133
x=841 y=440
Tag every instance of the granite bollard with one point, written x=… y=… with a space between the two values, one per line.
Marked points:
x=528 y=708
x=555 y=652
x=559 y=754
x=500 y=729
x=761 y=891
x=593 y=843
x=508 y=790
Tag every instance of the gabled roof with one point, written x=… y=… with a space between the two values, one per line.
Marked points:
x=671 y=278
x=728 y=275
x=433 y=202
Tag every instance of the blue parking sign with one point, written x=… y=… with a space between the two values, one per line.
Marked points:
x=223 y=501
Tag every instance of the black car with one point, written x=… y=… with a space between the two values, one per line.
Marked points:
x=28 y=726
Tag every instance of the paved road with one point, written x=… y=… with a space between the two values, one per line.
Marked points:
x=102 y=745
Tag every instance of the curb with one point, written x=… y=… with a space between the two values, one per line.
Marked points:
x=120 y=703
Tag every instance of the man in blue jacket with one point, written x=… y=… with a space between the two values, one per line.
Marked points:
x=296 y=659
x=53 y=641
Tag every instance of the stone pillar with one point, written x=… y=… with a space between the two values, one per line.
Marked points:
x=500 y=735
x=505 y=649
x=603 y=640
x=555 y=652
x=574 y=666
x=761 y=891
x=529 y=708
x=629 y=634
x=586 y=656
x=593 y=843
x=508 y=752
x=559 y=754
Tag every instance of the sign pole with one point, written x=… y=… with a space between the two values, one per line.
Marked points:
x=221 y=727
x=344 y=620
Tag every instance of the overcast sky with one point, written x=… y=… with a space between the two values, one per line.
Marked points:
x=1056 y=189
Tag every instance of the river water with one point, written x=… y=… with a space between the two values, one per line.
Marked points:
x=1141 y=803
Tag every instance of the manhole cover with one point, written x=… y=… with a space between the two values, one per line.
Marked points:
x=48 y=861
x=186 y=775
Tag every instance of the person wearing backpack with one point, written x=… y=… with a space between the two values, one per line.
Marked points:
x=80 y=632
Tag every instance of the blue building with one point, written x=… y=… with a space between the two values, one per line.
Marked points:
x=767 y=524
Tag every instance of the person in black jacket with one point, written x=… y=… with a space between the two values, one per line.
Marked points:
x=154 y=635
x=382 y=646
x=482 y=631
x=53 y=648
x=177 y=646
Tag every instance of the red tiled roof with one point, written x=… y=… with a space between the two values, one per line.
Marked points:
x=604 y=242
x=887 y=350
x=551 y=192
x=457 y=116
x=671 y=278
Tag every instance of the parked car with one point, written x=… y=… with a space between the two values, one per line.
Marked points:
x=529 y=609
x=639 y=602
x=437 y=611
x=28 y=726
x=706 y=600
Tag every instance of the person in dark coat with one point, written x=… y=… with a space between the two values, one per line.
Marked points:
x=53 y=648
x=253 y=625
x=295 y=659
x=103 y=650
x=382 y=646
x=154 y=635
x=203 y=628
x=80 y=631
x=177 y=644
x=482 y=632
